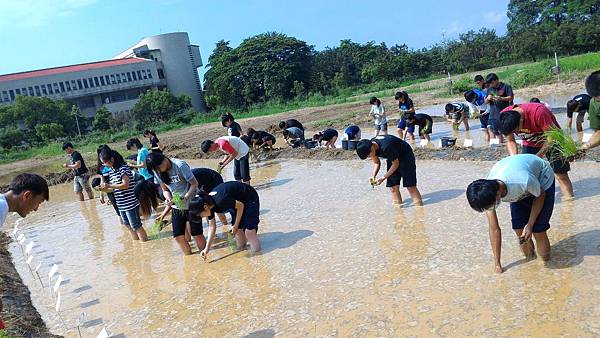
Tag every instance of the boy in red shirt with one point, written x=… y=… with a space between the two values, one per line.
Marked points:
x=530 y=121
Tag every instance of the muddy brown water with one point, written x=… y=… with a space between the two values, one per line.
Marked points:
x=338 y=259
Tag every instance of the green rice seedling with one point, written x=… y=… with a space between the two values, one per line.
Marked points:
x=562 y=142
x=155 y=228
x=231 y=242
x=219 y=169
x=178 y=201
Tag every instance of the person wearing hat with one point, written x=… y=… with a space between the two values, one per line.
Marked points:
x=401 y=165
x=233 y=128
x=241 y=201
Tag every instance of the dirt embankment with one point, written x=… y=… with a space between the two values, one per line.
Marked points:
x=17 y=312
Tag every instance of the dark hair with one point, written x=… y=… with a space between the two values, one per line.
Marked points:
x=96 y=182
x=134 y=142
x=449 y=108
x=147 y=195
x=592 y=84
x=250 y=132
x=478 y=78
x=509 y=121
x=282 y=125
x=149 y=132
x=363 y=148
x=285 y=133
x=375 y=100
x=535 y=100
x=198 y=202
x=256 y=137
x=318 y=136
x=402 y=95
x=572 y=106
x=491 y=77
x=226 y=117
x=470 y=96
x=153 y=161
x=67 y=145
x=107 y=154
x=30 y=182
x=99 y=165
x=481 y=194
x=205 y=146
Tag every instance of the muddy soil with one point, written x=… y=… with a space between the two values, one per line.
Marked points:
x=19 y=315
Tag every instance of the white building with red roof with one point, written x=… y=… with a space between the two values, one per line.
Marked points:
x=158 y=62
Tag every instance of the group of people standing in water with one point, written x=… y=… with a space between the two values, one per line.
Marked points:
x=152 y=179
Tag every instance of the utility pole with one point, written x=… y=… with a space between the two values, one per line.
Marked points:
x=75 y=112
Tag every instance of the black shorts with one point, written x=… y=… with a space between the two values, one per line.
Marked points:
x=241 y=168
x=406 y=172
x=560 y=165
x=570 y=113
x=179 y=219
x=520 y=211
x=250 y=217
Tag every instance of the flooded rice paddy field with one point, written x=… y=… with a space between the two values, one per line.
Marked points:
x=338 y=260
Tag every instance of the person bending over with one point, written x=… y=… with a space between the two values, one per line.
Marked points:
x=236 y=151
x=329 y=136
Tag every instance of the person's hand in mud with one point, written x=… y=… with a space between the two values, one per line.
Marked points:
x=234 y=229
x=527 y=231
x=204 y=253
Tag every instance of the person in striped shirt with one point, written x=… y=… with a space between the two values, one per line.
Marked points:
x=122 y=181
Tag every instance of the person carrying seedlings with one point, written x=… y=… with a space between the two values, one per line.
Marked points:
x=400 y=165
x=328 y=135
x=293 y=136
x=499 y=96
x=233 y=128
x=122 y=182
x=236 y=150
x=352 y=133
x=378 y=111
x=530 y=121
x=458 y=113
x=25 y=194
x=140 y=161
x=155 y=146
x=179 y=185
x=405 y=105
x=238 y=199
x=81 y=178
x=477 y=97
x=283 y=125
x=261 y=139
x=592 y=85
x=424 y=121
x=580 y=104
x=527 y=183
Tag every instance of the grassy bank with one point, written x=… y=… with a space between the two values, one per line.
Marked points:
x=518 y=75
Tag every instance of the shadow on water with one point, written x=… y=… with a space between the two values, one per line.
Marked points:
x=586 y=187
x=272 y=241
x=272 y=184
x=441 y=195
x=267 y=333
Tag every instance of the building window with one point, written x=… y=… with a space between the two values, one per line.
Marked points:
x=149 y=73
x=18 y=91
x=107 y=80
x=85 y=84
x=5 y=96
x=102 y=83
x=139 y=75
x=96 y=81
x=67 y=85
x=37 y=91
x=91 y=82
x=112 y=79
x=129 y=76
x=30 y=91
x=161 y=74
x=12 y=94
x=134 y=76
x=74 y=85
x=123 y=77
x=49 y=86
x=24 y=90
x=44 y=90
x=79 y=85
x=144 y=74
x=57 y=89
x=118 y=78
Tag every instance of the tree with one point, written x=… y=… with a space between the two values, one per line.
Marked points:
x=42 y=110
x=77 y=115
x=158 y=105
x=49 y=131
x=11 y=136
x=103 y=120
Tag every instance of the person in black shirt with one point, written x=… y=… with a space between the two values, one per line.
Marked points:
x=283 y=125
x=579 y=104
x=81 y=179
x=400 y=165
x=155 y=146
x=233 y=128
x=329 y=136
x=261 y=139
x=424 y=121
x=241 y=201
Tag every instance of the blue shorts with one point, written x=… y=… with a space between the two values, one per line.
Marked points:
x=402 y=124
x=131 y=218
x=250 y=217
x=492 y=124
x=519 y=212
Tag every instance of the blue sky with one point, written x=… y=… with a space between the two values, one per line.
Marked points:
x=47 y=33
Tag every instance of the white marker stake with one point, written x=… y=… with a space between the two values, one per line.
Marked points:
x=37 y=269
x=57 y=307
x=494 y=141
x=468 y=143
x=586 y=137
x=29 y=260
x=103 y=333
x=57 y=284
x=29 y=247
x=52 y=272
x=439 y=143
x=424 y=142
x=21 y=239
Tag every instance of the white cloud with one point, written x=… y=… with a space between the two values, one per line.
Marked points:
x=36 y=13
x=453 y=29
x=493 y=18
